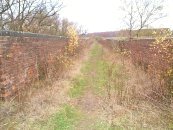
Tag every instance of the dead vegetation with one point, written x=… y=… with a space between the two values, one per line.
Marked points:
x=43 y=97
x=109 y=92
x=129 y=102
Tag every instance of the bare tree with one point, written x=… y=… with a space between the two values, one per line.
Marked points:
x=24 y=13
x=38 y=16
x=148 y=11
x=81 y=30
x=46 y=9
x=5 y=6
x=140 y=14
x=130 y=15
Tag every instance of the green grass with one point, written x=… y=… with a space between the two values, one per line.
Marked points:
x=97 y=74
x=95 y=70
x=94 y=74
x=66 y=119
x=78 y=87
x=100 y=125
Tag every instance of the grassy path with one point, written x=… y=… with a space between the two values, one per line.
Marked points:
x=102 y=91
x=101 y=97
x=84 y=110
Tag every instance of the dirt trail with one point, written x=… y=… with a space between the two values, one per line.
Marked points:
x=43 y=102
x=94 y=95
x=90 y=102
x=124 y=109
x=53 y=98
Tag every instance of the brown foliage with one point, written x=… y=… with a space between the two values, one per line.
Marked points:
x=154 y=57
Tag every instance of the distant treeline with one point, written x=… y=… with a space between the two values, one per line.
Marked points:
x=125 y=33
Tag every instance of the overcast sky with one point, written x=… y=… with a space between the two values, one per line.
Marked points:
x=105 y=15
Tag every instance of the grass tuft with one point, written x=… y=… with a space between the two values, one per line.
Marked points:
x=66 y=119
x=78 y=87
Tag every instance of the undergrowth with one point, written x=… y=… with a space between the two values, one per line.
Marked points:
x=118 y=87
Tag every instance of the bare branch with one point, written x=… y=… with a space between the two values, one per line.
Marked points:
x=142 y=13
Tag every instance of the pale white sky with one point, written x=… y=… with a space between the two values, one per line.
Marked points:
x=105 y=15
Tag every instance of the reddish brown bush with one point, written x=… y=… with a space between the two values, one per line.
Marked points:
x=155 y=59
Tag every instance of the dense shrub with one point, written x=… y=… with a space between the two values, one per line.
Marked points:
x=154 y=56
